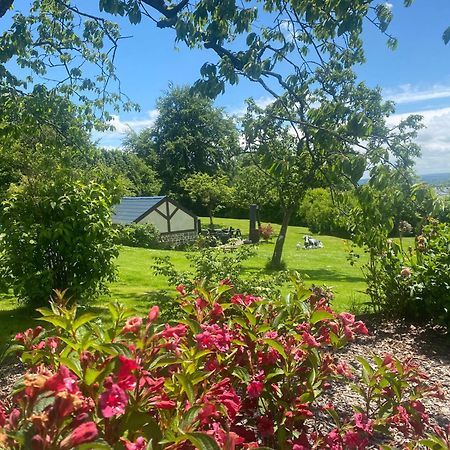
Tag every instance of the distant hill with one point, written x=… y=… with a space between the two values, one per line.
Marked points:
x=436 y=179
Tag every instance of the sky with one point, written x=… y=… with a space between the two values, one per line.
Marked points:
x=416 y=75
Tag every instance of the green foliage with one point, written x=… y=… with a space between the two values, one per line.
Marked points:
x=414 y=282
x=54 y=40
x=320 y=213
x=189 y=135
x=140 y=178
x=57 y=234
x=213 y=191
x=215 y=264
x=40 y=134
x=138 y=235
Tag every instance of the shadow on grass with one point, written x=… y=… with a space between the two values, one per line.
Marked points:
x=15 y=320
x=329 y=275
x=165 y=299
x=322 y=275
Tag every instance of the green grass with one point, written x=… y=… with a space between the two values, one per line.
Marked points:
x=138 y=287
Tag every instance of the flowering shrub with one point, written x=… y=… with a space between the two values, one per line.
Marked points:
x=413 y=282
x=238 y=372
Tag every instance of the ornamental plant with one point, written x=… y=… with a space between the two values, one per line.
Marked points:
x=237 y=372
x=266 y=232
x=413 y=282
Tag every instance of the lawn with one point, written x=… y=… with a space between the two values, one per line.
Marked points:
x=137 y=286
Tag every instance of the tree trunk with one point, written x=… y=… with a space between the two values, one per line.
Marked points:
x=210 y=217
x=278 y=250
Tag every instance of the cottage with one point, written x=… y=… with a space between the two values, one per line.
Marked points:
x=176 y=224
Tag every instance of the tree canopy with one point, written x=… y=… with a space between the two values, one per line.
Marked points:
x=190 y=135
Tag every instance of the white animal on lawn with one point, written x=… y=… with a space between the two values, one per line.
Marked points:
x=310 y=243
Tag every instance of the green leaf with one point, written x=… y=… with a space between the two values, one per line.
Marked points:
x=72 y=364
x=202 y=441
x=187 y=386
x=277 y=346
x=190 y=417
x=85 y=318
x=100 y=445
x=57 y=321
x=319 y=315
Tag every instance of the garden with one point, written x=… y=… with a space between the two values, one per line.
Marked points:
x=275 y=278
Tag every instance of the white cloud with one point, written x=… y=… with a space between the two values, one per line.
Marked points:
x=408 y=93
x=262 y=102
x=113 y=138
x=434 y=139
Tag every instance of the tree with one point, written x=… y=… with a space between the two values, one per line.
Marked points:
x=304 y=38
x=211 y=191
x=57 y=234
x=190 y=135
x=343 y=136
x=140 y=179
x=251 y=188
x=39 y=134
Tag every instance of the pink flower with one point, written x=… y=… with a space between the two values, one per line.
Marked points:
x=303 y=410
x=255 y=388
x=347 y=318
x=217 y=310
x=126 y=379
x=86 y=432
x=363 y=422
x=181 y=289
x=201 y=303
x=360 y=328
x=139 y=444
x=113 y=401
x=162 y=402
x=176 y=331
x=153 y=314
x=309 y=339
x=62 y=380
x=247 y=300
x=132 y=325
x=344 y=369
x=214 y=337
x=354 y=441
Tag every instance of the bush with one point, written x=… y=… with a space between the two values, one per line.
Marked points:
x=238 y=372
x=138 y=235
x=211 y=265
x=414 y=283
x=318 y=212
x=57 y=234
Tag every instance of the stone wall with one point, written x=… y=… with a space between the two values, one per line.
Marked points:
x=178 y=238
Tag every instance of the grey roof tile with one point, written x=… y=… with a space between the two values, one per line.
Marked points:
x=131 y=208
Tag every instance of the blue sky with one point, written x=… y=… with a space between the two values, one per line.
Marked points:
x=416 y=75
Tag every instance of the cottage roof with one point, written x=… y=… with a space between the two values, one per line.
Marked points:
x=130 y=209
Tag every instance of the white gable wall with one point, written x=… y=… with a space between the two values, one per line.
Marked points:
x=156 y=219
x=182 y=221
